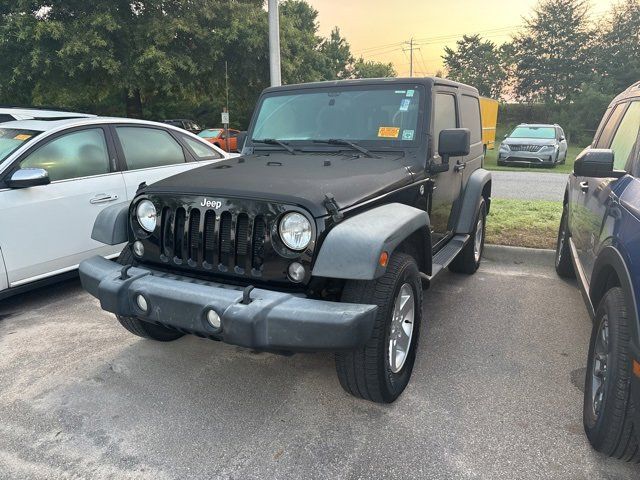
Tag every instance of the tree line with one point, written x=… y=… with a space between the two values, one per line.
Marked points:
x=162 y=58
x=564 y=66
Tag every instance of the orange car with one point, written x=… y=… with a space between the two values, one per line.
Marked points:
x=218 y=138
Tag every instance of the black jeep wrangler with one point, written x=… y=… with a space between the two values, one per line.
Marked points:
x=349 y=197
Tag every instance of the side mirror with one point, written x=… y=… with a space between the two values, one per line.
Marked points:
x=597 y=163
x=242 y=138
x=562 y=138
x=454 y=142
x=29 y=177
x=506 y=135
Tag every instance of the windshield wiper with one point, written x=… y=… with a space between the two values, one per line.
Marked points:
x=340 y=141
x=274 y=141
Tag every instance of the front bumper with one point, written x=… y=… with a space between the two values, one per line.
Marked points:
x=526 y=158
x=273 y=321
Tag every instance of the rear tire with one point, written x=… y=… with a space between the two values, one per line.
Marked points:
x=368 y=372
x=139 y=327
x=469 y=258
x=608 y=408
x=564 y=265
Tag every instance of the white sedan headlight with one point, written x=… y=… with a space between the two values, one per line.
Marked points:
x=504 y=147
x=147 y=215
x=295 y=231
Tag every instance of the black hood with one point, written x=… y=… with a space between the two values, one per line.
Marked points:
x=303 y=179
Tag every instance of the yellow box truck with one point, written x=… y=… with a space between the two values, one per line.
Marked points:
x=489 y=112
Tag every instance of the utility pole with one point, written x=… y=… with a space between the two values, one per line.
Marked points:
x=226 y=108
x=411 y=49
x=274 y=43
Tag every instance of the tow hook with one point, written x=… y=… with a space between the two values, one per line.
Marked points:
x=246 y=295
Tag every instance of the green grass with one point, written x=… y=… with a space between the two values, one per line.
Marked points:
x=491 y=162
x=523 y=223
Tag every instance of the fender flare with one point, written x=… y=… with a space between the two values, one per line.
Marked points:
x=112 y=225
x=351 y=250
x=479 y=182
x=611 y=257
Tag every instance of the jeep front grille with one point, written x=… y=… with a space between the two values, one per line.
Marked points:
x=525 y=148
x=204 y=238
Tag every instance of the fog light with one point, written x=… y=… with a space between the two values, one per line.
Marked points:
x=138 y=248
x=142 y=303
x=296 y=272
x=214 y=319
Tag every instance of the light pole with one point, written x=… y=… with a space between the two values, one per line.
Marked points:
x=274 y=43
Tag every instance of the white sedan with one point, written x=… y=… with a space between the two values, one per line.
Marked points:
x=56 y=176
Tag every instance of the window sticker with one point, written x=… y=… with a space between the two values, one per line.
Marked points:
x=407 y=134
x=401 y=91
x=410 y=93
x=404 y=104
x=22 y=137
x=388 y=132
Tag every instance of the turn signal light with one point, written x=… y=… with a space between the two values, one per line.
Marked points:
x=384 y=259
x=636 y=368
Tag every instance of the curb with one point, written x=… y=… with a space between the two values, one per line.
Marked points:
x=519 y=255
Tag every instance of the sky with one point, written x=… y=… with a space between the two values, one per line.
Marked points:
x=376 y=28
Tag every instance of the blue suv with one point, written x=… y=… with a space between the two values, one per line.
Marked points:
x=599 y=243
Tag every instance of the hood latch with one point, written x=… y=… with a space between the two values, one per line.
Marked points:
x=332 y=207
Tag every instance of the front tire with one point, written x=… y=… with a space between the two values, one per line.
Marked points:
x=468 y=260
x=380 y=370
x=139 y=327
x=608 y=409
x=564 y=265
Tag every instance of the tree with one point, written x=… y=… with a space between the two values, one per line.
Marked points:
x=551 y=57
x=370 y=69
x=337 y=53
x=476 y=62
x=617 y=50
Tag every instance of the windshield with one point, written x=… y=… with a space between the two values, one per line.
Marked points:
x=11 y=139
x=534 y=132
x=369 y=114
x=213 y=133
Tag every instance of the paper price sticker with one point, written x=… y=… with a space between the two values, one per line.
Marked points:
x=388 y=132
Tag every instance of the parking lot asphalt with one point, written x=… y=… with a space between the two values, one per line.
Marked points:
x=528 y=185
x=496 y=394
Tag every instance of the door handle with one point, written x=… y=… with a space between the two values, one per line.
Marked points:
x=459 y=167
x=103 y=198
x=584 y=186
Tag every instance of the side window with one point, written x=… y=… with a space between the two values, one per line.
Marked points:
x=200 y=150
x=608 y=128
x=470 y=109
x=5 y=117
x=78 y=154
x=444 y=116
x=149 y=147
x=626 y=136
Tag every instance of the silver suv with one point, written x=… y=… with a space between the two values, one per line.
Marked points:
x=537 y=144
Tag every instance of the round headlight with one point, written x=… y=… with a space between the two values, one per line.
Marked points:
x=295 y=231
x=146 y=213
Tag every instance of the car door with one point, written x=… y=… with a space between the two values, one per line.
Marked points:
x=579 y=215
x=446 y=185
x=562 y=144
x=47 y=229
x=602 y=195
x=151 y=153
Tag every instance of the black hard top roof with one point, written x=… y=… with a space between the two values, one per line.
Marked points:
x=428 y=82
x=632 y=91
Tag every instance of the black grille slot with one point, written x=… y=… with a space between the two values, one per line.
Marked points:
x=225 y=237
x=258 y=241
x=166 y=240
x=209 y=237
x=242 y=239
x=178 y=233
x=194 y=234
